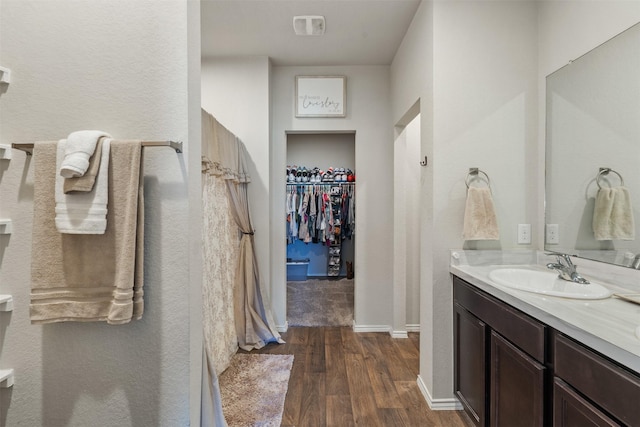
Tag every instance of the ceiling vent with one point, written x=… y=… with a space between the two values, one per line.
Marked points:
x=308 y=25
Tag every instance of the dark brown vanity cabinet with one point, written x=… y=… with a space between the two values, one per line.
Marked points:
x=512 y=370
x=499 y=361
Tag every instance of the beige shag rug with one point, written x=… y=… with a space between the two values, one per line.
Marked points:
x=320 y=303
x=253 y=389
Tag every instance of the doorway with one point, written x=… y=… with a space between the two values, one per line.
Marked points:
x=406 y=228
x=320 y=228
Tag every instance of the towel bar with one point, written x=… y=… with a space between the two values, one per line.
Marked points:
x=176 y=145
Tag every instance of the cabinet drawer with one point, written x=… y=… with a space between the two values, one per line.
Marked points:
x=517 y=327
x=611 y=387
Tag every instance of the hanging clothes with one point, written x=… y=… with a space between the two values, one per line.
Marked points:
x=310 y=215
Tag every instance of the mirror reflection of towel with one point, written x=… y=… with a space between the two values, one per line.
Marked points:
x=613 y=215
x=479 y=215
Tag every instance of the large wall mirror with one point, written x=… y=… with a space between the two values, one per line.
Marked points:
x=593 y=153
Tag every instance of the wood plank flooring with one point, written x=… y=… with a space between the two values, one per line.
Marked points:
x=341 y=378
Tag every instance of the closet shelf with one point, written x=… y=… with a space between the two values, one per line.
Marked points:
x=5 y=152
x=5 y=75
x=5 y=226
x=6 y=303
x=6 y=378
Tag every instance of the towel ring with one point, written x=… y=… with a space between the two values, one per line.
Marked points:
x=605 y=171
x=473 y=174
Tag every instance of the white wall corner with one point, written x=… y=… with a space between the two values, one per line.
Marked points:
x=449 y=404
x=413 y=327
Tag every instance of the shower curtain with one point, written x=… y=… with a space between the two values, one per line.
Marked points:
x=233 y=299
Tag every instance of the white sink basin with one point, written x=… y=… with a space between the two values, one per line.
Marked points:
x=546 y=283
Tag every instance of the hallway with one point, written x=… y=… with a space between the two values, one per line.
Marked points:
x=342 y=378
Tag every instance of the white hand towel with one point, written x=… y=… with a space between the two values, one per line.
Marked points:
x=83 y=212
x=79 y=148
x=613 y=215
x=479 y=216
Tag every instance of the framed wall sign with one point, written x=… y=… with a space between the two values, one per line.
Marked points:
x=321 y=96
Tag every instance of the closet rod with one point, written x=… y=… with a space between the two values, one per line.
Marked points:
x=176 y=145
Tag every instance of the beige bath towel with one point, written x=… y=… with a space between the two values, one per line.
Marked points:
x=479 y=216
x=613 y=215
x=89 y=277
x=85 y=182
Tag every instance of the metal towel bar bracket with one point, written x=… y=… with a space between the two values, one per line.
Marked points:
x=473 y=174
x=176 y=145
x=605 y=171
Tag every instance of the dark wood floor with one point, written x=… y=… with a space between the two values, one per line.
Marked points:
x=342 y=378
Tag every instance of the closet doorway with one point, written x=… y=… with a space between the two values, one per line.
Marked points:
x=320 y=221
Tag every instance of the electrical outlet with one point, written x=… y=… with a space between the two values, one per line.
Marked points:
x=524 y=234
x=552 y=237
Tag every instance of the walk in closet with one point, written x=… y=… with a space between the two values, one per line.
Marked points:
x=320 y=205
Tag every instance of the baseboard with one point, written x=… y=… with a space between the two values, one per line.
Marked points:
x=386 y=328
x=283 y=328
x=450 y=404
x=399 y=334
x=371 y=328
x=413 y=327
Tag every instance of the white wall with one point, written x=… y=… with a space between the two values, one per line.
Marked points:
x=236 y=92
x=326 y=150
x=120 y=67
x=368 y=113
x=478 y=105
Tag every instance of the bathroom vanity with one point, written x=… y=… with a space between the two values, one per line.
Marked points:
x=523 y=359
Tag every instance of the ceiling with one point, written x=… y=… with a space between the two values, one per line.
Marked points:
x=358 y=32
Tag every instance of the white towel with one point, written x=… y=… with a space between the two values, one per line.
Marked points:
x=613 y=215
x=79 y=148
x=479 y=216
x=83 y=212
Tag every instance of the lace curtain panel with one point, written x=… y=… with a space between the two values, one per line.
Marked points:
x=220 y=253
x=236 y=311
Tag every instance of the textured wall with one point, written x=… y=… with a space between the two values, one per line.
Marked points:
x=236 y=92
x=120 y=67
x=478 y=99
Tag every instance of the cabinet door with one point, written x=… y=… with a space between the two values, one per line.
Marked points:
x=571 y=410
x=470 y=364
x=517 y=386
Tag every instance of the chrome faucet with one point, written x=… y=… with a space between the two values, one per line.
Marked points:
x=567 y=269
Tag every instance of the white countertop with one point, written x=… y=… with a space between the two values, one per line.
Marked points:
x=610 y=326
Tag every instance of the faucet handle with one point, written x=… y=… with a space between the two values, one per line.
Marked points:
x=567 y=259
x=560 y=257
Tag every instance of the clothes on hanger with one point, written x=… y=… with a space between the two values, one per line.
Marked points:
x=310 y=212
